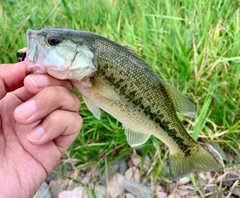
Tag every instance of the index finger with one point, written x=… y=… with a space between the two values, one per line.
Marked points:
x=11 y=77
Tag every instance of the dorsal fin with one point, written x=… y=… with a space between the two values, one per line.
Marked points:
x=137 y=56
x=182 y=104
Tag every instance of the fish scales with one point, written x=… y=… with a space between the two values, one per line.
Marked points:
x=117 y=70
x=112 y=78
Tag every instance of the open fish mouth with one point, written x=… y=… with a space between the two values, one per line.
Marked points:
x=32 y=49
x=34 y=54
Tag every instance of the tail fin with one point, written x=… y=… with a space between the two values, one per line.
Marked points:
x=202 y=160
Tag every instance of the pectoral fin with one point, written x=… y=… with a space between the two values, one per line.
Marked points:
x=182 y=104
x=135 y=138
x=92 y=107
x=104 y=90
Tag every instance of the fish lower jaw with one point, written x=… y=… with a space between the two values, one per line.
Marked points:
x=36 y=68
x=68 y=74
x=62 y=75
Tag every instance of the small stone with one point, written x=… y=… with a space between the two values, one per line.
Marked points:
x=79 y=178
x=129 y=195
x=236 y=158
x=234 y=176
x=203 y=177
x=137 y=189
x=56 y=186
x=51 y=177
x=209 y=189
x=86 y=179
x=161 y=195
x=75 y=193
x=112 y=170
x=137 y=161
x=170 y=187
x=95 y=173
x=43 y=192
x=109 y=173
x=236 y=191
x=185 y=192
x=147 y=159
x=122 y=166
x=100 y=191
x=160 y=192
x=69 y=166
x=133 y=174
x=115 y=187
x=184 y=181
x=160 y=189
x=174 y=195
x=72 y=185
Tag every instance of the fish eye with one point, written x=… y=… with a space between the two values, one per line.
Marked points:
x=53 y=41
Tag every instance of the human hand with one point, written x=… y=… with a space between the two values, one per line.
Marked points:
x=38 y=121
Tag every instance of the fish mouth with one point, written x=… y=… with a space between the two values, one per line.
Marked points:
x=35 y=53
x=42 y=59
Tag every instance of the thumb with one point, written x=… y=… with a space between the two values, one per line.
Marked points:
x=11 y=77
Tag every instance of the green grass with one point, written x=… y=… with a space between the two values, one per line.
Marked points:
x=194 y=45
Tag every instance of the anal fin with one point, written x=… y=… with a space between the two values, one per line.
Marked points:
x=135 y=138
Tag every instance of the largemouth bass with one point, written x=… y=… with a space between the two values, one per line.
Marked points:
x=112 y=78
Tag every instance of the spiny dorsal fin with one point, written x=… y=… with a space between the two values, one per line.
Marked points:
x=137 y=56
x=182 y=104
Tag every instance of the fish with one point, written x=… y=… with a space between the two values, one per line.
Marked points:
x=111 y=77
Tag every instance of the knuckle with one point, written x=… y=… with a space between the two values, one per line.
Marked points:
x=77 y=103
x=65 y=119
x=52 y=92
x=79 y=121
x=76 y=125
x=62 y=97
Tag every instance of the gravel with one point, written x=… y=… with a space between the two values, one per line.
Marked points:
x=124 y=179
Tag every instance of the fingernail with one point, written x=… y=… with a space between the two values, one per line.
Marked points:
x=39 y=81
x=36 y=134
x=26 y=110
